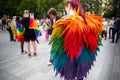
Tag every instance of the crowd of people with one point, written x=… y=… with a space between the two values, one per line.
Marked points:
x=19 y=29
x=28 y=34
x=111 y=29
x=111 y=26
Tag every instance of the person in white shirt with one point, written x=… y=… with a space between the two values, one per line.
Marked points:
x=45 y=29
x=111 y=23
x=105 y=25
x=14 y=21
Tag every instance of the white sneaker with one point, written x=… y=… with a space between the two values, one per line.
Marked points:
x=49 y=63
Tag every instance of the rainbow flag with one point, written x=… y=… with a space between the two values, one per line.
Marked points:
x=33 y=25
x=19 y=32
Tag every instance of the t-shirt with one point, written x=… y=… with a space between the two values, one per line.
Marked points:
x=3 y=21
x=14 y=22
x=117 y=24
x=111 y=23
x=105 y=25
x=25 y=22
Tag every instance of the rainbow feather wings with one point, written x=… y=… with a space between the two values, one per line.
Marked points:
x=76 y=33
x=75 y=44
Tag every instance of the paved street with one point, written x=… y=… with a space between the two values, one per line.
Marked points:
x=15 y=66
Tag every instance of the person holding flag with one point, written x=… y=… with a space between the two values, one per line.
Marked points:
x=31 y=31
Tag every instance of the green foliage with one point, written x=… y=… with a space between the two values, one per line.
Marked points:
x=44 y=5
x=8 y=6
x=111 y=9
x=93 y=6
x=26 y=4
x=40 y=7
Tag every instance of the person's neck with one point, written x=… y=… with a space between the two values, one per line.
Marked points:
x=54 y=17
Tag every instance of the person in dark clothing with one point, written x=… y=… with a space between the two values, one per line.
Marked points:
x=20 y=38
x=3 y=24
x=116 y=30
x=10 y=31
x=29 y=34
x=53 y=15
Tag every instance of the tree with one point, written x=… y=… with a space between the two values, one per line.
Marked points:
x=44 y=5
x=26 y=4
x=110 y=9
x=40 y=7
x=1 y=7
x=93 y=6
x=10 y=7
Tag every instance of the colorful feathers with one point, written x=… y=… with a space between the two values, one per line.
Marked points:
x=19 y=32
x=75 y=44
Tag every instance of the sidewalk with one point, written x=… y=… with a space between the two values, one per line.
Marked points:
x=15 y=66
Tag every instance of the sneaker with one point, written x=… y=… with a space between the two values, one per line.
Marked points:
x=14 y=40
x=49 y=63
x=22 y=52
x=29 y=55
x=111 y=42
x=35 y=54
x=25 y=52
x=105 y=38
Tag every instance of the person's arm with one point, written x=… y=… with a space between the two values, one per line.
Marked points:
x=8 y=25
x=48 y=23
x=22 y=23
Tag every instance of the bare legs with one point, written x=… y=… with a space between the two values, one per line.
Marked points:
x=34 y=47
x=28 y=47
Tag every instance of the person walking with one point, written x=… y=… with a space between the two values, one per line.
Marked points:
x=3 y=24
x=29 y=34
x=20 y=33
x=52 y=12
x=116 y=31
x=9 y=22
x=111 y=24
x=105 y=25
x=45 y=29
x=75 y=41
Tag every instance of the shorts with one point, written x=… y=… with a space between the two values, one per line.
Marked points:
x=29 y=36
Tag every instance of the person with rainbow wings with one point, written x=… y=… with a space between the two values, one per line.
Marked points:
x=75 y=42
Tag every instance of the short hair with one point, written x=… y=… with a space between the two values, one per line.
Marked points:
x=18 y=18
x=26 y=11
x=52 y=11
x=14 y=17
